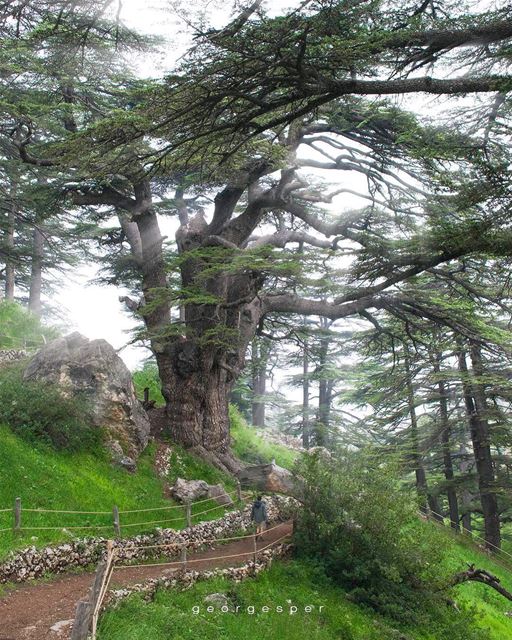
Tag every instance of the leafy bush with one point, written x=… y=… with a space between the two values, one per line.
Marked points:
x=366 y=533
x=39 y=413
x=148 y=377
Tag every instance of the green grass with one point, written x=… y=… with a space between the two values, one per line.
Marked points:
x=186 y=465
x=491 y=605
x=44 y=478
x=251 y=448
x=170 y=615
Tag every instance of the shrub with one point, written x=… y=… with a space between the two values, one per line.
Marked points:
x=39 y=413
x=364 y=530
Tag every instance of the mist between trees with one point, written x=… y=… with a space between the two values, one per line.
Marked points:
x=303 y=194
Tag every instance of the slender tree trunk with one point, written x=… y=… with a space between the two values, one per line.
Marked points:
x=466 y=497
x=259 y=365
x=9 y=244
x=324 y=389
x=476 y=409
x=305 y=396
x=36 y=272
x=427 y=501
x=446 y=447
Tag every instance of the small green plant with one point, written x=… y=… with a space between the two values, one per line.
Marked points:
x=148 y=377
x=39 y=413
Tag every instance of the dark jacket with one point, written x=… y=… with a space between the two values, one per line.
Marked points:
x=259 y=512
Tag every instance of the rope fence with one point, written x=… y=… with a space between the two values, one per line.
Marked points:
x=89 y=513
x=179 y=545
x=187 y=509
x=186 y=561
x=471 y=535
x=88 y=611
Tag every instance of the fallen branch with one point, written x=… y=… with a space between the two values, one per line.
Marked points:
x=480 y=575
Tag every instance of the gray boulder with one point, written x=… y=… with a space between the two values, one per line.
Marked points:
x=269 y=478
x=218 y=493
x=189 y=490
x=92 y=370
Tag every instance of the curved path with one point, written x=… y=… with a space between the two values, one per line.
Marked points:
x=44 y=611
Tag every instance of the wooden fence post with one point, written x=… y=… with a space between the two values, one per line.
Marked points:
x=117 y=524
x=104 y=573
x=82 y=620
x=255 y=547
x=188 y=513
x=87 y=611
x=239 y=491
x=17 y=515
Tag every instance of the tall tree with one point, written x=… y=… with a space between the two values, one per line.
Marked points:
x=234 y=263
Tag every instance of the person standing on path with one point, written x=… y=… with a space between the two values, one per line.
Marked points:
x=259 y=516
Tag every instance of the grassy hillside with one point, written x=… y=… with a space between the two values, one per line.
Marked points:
x=86 y=481
x=253 y=449
x=44 y=478
x=294 y=583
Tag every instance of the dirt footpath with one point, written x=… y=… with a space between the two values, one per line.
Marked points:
x=44 y=611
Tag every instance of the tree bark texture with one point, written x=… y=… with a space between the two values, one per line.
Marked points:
x=36 y=272
x=476 y=410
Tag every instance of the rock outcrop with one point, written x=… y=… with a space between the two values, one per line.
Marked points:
x=189 y=490
x=218 y=493
x=268 y=477
x=92 y=370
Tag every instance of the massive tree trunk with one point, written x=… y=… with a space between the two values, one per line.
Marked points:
x=201 y=354
x=476 y=410
x=446 y=447
x=197 y=391
x=36 y=272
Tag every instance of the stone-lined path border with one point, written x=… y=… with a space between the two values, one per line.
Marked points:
x=33 y=563
x=44 y=611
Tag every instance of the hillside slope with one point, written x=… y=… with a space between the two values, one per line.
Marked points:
x=184 y=615
x=50 y=480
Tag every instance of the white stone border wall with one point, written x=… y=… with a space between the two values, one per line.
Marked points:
x=31 y=563
x=185 y=579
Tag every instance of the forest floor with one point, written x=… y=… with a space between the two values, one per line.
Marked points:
x=44 y=611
